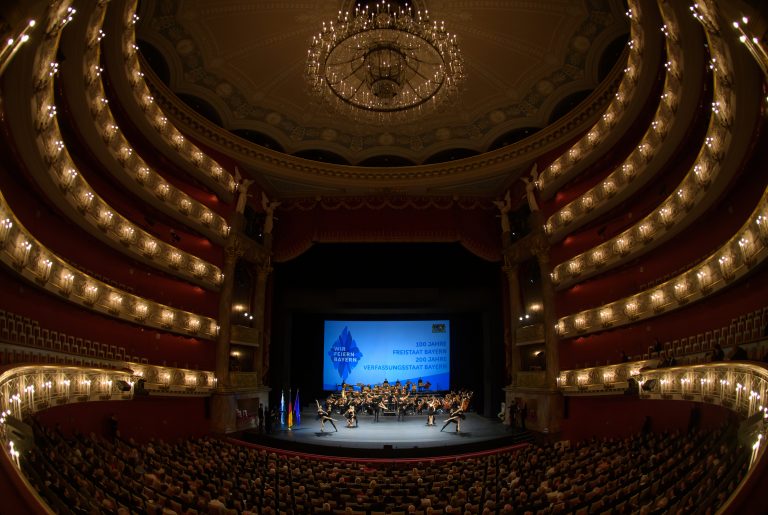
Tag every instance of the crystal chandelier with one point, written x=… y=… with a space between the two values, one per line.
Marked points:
x=384 y=64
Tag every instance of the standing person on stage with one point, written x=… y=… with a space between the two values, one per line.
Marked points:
x=431 y=408
x=351 y=416
x=324 y=417
x=376 y=406
x=456 y=417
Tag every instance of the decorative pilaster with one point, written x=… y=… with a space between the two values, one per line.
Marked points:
x=540 y=248
x=259 y=303
x=511 y=352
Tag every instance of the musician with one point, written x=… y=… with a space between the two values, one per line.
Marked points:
x=456 y=416
x=377 y=407
x=351 y=416
x=402 y=405
x=324 y=417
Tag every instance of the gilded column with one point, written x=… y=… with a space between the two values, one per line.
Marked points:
x=259 y=304
x=540 y=248
x=512 y=353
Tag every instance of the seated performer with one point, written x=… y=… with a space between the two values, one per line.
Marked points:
x=324 y=417
x=456 y=416
x=351 y=416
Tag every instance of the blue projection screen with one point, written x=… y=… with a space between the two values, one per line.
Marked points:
x=368 y=352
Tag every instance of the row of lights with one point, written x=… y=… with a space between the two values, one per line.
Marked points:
x=131 y=161
x=29 y=255
x=740 y=252
x=638 y=159
x=97 y=211
x=612 y=115
x=157 y=119
x=698 y=178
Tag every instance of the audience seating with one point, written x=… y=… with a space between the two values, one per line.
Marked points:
x=646 y=473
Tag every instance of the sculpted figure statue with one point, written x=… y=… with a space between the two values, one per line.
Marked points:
x=530 y=188
x=504 y=207
x=269 y=209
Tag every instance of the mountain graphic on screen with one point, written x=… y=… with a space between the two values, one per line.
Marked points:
x=344 y=354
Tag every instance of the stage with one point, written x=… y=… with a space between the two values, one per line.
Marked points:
x=389 y=437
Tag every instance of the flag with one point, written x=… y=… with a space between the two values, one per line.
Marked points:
x=282 y=407
x=290 y=410
x=297 y=409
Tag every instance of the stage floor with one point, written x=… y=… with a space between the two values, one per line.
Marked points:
x=388 y=436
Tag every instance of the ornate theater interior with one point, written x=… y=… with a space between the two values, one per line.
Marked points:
x=226 y=223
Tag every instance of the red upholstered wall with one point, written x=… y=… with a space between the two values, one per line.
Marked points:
x=142 y=418
x=712 y=313
x=23 y=298
x=622 y=416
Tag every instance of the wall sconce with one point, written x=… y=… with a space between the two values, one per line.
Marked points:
x=199 y=269
x=599 y=257
x=162 y=190
x=5 y=230
x=588 y=203
x=628 y=169
x=631 y=309
x=177 y=141
x=574 y=267
x=609 y=188
x=667 y=216
x=580 y=323
x=90 y=293
x=193 y=325
x=174 y=259
x=149 y=247
x=726 y=266
x=21 y=252
x=622 y=246
x=142 y=175
x=702 y=173
x=126 y=234
x=657 y=300
x=206 y=217
x=67 y=179
x=115 y=303
x=166 y=318
x=645 y=231
x=704 y=277
x=762 y=228
x=185 y=206
x=104 y=219
x=140 y=311
x=66 y=282
x=83 y=200
x=606 y=317
x=747 y=246
x=681 y=291
x=43 y=269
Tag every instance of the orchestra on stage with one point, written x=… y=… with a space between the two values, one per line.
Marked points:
x=398 y=399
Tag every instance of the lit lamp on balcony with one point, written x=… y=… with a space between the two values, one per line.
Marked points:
x=162 y=191
x=606 y=317
x=667 y=216
x=199 y=269
x=704 y=277
x=83 y=200
x=588 y=203
x=609 y=188
x=5 y=230
x=206 y=217
x=658 y=300
x=622 y=246
x=90 y=293
x=166 y=318
x=149 y=247
x=43 y=269
x=628 y=170
x=632 y=309
x=21 y=252
x=762 y=228
x=599 y=257
x=645 y=231
x=574 y=267
x=114 y=303
x=66 y=282
x=104 y=219
x=174 y=259
x=185 y=206
x=580 y=323
x=142 y=175
x=193 y=325
x=726 y=265
x=702 y=174
x=126 y=233
x=685 y=197
x=67 y=179
x=140 y=311
x=681 y=291
x=747 y=247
